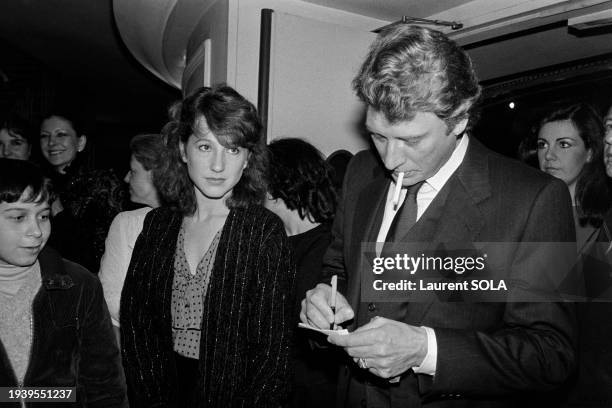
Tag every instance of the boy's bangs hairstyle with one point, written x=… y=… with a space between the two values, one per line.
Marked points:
x=235 y=123
x=20 y=176
x=412 y=69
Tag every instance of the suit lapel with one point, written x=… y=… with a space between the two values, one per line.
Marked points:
x=462 y=219
x=454 y=217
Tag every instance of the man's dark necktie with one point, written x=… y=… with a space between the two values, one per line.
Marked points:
x=406 y=216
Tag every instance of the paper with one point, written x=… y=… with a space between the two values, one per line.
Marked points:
x=324 y=331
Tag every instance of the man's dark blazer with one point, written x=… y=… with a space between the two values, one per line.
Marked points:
x=489 y=354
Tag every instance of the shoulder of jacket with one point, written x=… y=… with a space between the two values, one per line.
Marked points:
x=79 y=274
x=258 y=215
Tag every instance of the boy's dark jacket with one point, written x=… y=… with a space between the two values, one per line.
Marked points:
x=73 y=343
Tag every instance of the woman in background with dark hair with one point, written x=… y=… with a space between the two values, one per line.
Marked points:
x=570 y=147
x=147 y=160
x=88 y=199
x=302 y=194
x=15 y=138
x=205 y=302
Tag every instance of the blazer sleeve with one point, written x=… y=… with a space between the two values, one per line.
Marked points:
x=333 y=260
x=99 y=368
x=534 y=347
x=271 y=323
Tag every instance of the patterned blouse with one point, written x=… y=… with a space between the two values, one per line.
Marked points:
x=188 y=292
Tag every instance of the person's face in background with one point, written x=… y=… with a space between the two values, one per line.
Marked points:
x=59 y=142
x=417 y=147
x=24 y=230
x=561 y=151
x=213 y=168
x=608 y=142
x=140 y=181
x=13 y=146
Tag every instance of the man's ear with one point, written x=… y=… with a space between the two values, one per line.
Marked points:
x=460 y=127
x=81 y=143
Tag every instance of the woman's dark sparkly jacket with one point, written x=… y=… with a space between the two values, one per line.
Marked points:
x=247 y=317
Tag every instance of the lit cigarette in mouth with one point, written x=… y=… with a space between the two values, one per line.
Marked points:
x=398 y=189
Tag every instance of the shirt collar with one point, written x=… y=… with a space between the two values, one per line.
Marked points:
x=438 y=180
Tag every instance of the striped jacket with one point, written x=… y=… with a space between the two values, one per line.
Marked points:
x=244 y=348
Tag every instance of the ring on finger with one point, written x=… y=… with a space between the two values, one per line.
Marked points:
x=362 y=363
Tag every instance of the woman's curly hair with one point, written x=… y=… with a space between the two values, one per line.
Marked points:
x=302 y=179
x=235 y=123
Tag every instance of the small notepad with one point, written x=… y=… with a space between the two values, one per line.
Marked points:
x=324 y=331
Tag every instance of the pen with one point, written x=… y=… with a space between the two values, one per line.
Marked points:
x=334 y=285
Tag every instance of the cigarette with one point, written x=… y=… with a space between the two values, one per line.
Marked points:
x=398 y=189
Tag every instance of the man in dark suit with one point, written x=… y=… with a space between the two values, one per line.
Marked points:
x=420 y=90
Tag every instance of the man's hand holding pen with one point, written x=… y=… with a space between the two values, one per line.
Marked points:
x=384 y=347
x=317 y=311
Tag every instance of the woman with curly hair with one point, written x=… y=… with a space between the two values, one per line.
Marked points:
x=205 y=302
x=88 y=199
x=301 y=192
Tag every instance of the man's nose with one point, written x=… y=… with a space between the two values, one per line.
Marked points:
x=393 y=155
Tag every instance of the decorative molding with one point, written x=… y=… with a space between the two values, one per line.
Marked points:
x=485 y=19
x=500 y=87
